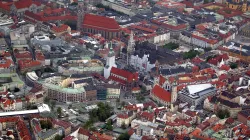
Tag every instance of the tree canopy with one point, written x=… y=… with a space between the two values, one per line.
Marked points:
x=58 y=137
x=222 y=114
x=103 y=112
x=59 y=111
x=233 y=65
x=172 y=46
x=46 y=124
x=190 y=54
x=124 y=136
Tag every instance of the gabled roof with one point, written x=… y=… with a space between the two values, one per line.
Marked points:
x=225 y=67
x=100 y=22
x=130 y=77
x=60 y=28
x=147 y=115
x=23 y=64
x=84 y=132
x=22 y=4
x=161 y=93
x=61 y=123
x=19 y=4
x=123 y=116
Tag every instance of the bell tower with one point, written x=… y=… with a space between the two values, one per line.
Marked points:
x=244 y=6
x=81 y=7
x=110 y=61
x=131 y=47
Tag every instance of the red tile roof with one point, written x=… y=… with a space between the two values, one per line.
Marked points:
x=147 y=115
x=5 y=6
x=123 y=116
x=248 y=73
x=225 y=67
x=131 y=107
x=7 y=102
x=196 y=60
x=223 y=77
x=61 y=123
x=130 y=77
x=84 y=132
x=69 y=138
x=19 y=4
x=59 y=29
x=35 y=90
x=23 y=64
x=179 y=123
x=161 y=93
x=33 y=16
x=100 y=22
x=24 y=54
x=40 y=56
x=7 y=63
x=131 y=131
x=210 y=41
x=191 y=113
x=22 y=3
x=99 y=136
x=23 y=131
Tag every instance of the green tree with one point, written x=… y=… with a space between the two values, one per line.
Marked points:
x=123 y=126
x=46 y=100
x=124 y=136
x=172 y=46
x=92 y=129
x=206 y=1
x=103 y=112
x=59 y=111
x=233 y=65
x=58 y=137
x=109 y=125
x=222 y=114
x=140 y=98
x=74 y=3
x=123 y=104
x=45 y=124
x=52 y=104
x=190 y=54
x=88 y=124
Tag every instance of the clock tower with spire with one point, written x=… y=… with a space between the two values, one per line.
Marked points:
x=110 y=62
x=81 y=9
x=131 y=47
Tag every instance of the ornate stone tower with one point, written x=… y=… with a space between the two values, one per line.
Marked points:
x=131 y=47
x=81 y=7
x=244 y=6
x=110 y=62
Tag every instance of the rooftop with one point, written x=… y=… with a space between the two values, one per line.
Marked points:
x=100 y=22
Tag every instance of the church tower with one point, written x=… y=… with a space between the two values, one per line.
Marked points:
x=131 y=47
x=244 y=6
x=80 y=13
x=110 y=62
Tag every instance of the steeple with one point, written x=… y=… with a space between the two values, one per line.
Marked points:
x=130 y=48
x=131 y=43
x=81 y=9
x=110 y=61
x=111 y=51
